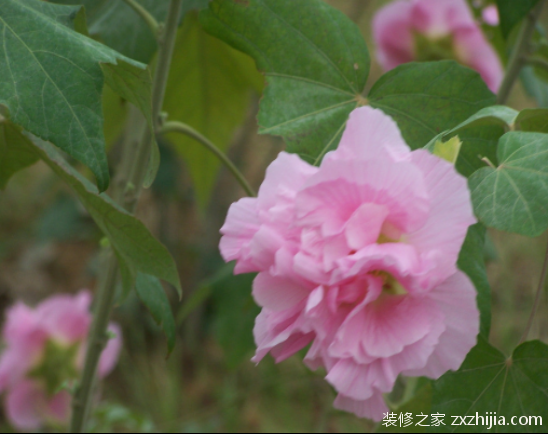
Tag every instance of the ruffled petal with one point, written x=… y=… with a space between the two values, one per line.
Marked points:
x=372 y=408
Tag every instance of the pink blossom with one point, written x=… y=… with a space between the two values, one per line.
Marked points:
x=490 y=15
x=58 y=325
x=358 y=257
x=408 y=30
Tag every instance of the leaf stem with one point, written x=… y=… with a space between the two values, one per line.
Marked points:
x=518 y=58
x=540 y=287
x=179 y=127
x=145 y=15
x=126 y=192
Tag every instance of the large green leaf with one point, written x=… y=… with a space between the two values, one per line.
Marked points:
x=52 y=79
x=471 y=261
x=488 y=383
x=514 y=196
x=512 y=12
x=14 y=155
x=137 y=250
x=315 y=60
x=209 y=89
x=152 y=294
x=428 y=98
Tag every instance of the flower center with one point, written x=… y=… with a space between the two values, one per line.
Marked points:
x=430 y=49
x=390 y=285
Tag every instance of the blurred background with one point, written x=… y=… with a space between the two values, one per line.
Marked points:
x=49 y=244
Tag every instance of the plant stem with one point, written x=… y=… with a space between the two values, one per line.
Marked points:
x=519 y=54
x=126 y=193
x=179 y=127
x=145 y=15
x=540 y=287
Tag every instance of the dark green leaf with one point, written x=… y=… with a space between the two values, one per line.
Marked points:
x=428 y=98
x=135 y=247
x=14 y=155
x=535 y=120
x=52 y=79
x=153 y=296
x=216 y=82
x=315 y=60
x=471 y=261
x=512 y=12
x=235 y=313
x=513 y=196
x=535 y=86
x=490 y=382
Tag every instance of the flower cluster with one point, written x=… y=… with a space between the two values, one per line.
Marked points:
x=357 y=257
x=45 y=350
x=409 y=30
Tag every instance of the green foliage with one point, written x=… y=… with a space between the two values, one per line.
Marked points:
x=109 y=418
x=533 y=120
x=490 y=382
x=512 y=196
x=471 y=261
x=152 y=294
x=137 y=250
x=535 y=85
x=14 y=156
x=53 y=81
x=216 y=81
x=512 y=12
x=315 y=61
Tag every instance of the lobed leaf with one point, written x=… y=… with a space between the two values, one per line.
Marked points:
x=512 y=196
x=488 y=382
x=52 y=79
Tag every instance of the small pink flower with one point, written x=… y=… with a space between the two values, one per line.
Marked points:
x=358 y=257
x=490 y=15
x=409 y=30
x=60 y=324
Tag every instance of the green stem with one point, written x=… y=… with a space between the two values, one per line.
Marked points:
x=540 y=287
x=126 y=193
x=518 y=58
x=145 y=15
x=538 y=62
x=179 y=127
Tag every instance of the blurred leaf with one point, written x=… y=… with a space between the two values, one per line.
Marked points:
x=14 y=155
x=208 y=88
x=153 y=296
x=52 y=79
x=136 y=249
x=315 y=60
x=115 y=113
x=428 y=98
x=513 y=196
x=419 y=404
x=109 y=418
x=235 y=313
x=534 y=86
x=512 y=12
x=472 y=262
x=534 y=120
x=490 y=382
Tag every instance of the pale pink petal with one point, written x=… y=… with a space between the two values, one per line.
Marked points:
x=364 y=226
x=490 y=15
x=449 y=218
x=294 y=343
x=393 y=34
x=25 y=404
x=110 y=354
x=277 y=293
x=474 y=51
x=59 y=407
x=370 y=134
x=439 y=18
x=372 y=408
x=456 y=298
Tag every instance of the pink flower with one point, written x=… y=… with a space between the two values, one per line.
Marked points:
x=45 y=348
x=410 y=30
x=357 y=257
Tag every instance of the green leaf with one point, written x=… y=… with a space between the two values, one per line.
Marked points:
x=52 y=79
x=535 y=120
x=135 y=247
x=534 y=85
x=153 y=296
x=14 y=155
x=315 y=61
x=235 y=313
x=512 y=12
x=115 y=112
x=490 y=382
x=449 y=150
x=428 y=98
x=216 y=82
x=513 y=196
x=471 y=261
